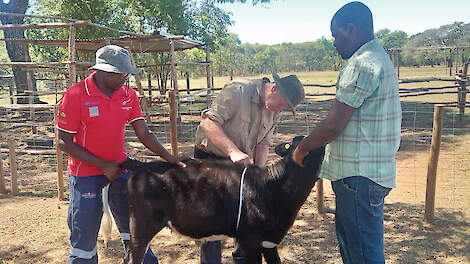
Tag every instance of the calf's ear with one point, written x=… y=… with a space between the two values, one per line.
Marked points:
x=297 y=140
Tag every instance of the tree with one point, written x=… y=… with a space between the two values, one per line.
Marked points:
x=200 y=20
x=16 y=51
x=228 y=57
x=389 y=39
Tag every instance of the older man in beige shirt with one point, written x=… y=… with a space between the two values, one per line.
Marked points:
x=239 y=126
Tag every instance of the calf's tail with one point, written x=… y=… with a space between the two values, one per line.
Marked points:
x=130 y=164
x=107 y=220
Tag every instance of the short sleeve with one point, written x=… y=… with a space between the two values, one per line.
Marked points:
x=356 y=83
x=136 y=112
x=68 y=117
x=225 y=105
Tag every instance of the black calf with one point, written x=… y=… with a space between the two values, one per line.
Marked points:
x=202 y=200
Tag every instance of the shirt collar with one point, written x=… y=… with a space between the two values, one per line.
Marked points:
x=92 y=89
x=367 y=46
x=258 y=93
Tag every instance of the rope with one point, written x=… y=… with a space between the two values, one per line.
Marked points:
x=240 y=200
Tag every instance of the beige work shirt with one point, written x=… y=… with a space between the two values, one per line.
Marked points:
x=238 y=110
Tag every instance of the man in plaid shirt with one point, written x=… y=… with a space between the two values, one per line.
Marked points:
x=362 y=133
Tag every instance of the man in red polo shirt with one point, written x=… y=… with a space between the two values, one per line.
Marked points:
x=91 y=122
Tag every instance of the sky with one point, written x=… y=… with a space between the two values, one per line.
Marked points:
x=308 y=20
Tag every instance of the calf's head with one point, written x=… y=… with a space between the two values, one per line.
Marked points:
x=285 y=150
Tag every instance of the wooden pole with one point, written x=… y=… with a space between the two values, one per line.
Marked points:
x=13 y=167
x=450 y=63
x=320 y=195
x=29 y=80
x=209 y=74
x=172 y=102
x=187 y=83
x=10 y=89
x=149 y=83
x=432 y=164
x=462 y=92
x=72 y=55
x=398 y=64
x=59 y=158
x=2 y=176
x=145 y=104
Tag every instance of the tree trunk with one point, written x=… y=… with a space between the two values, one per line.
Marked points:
x=16 y=51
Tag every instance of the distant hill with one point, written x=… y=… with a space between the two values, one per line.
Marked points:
x=457 y=33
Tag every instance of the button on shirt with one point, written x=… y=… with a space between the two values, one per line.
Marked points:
x=98 y=122
x=368 y=144
x=237 y=109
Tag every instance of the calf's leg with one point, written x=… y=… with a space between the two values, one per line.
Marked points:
x=271 y=255
x=141 y=235
x=252 y=253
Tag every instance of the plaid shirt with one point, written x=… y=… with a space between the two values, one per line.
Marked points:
x=368 y=144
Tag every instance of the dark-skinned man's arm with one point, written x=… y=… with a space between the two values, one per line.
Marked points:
x=151 y=142
x=111 y=169
x=327 y=131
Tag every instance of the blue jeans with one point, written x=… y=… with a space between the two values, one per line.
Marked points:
x=359 y=219
x=85 y=212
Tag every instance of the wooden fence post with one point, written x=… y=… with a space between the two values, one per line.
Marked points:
x=31 y=94
x=10 y=90
x=72 y=55
x=149 y=84
x=13 y=167
x=188 y=87
x=209 y=75
x=59 y=157
x=320 y=195
x=463 y=91
x=2 y=176
x=138 y=83
x=398 y=64
x=432 y=164
x=172 y=102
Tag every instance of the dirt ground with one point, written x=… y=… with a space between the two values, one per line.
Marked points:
x=34 y=230
x=33 y=225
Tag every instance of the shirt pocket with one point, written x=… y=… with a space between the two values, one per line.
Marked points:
x=243 y=127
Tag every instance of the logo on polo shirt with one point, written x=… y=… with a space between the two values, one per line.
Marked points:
x=89 y=195
x=90 y=103
x=93 y=111
x=126 y=101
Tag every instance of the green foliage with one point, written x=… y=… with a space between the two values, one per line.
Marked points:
x=254 y=2
x=200 y=20
x=454 y=34
x=395 y=39
x=234 y=58
x=162 y=15
x=209 y=23
x=3 y=49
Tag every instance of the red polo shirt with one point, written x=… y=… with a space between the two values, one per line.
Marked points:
x=97 y=121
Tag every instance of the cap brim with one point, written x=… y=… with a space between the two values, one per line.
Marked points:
x=282 y=90
x=110 y=68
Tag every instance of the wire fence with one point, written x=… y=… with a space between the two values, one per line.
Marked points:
x=37 y=162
